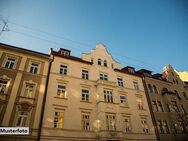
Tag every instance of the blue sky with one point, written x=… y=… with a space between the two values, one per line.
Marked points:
x=141 y=33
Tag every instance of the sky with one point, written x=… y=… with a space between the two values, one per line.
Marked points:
x=145 y=34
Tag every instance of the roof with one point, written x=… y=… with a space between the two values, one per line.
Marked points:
x=144 y=70
x=71 y=58
x=23 y=50
x=126 y=72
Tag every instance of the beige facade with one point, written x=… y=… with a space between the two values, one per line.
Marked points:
x=91 y=98
x=23 y=76
x=169 y=103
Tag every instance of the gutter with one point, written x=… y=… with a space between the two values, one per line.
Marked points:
x=51 y=59
x=151 y=110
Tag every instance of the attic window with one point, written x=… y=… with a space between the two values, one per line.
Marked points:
x=131 y=70
x=65 y=53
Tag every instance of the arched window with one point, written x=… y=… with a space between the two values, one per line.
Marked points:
x=155 y=89
x=105 y=63
x=150 y=88
x=99 y=61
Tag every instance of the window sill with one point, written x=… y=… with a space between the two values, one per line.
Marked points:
x=61 y=98
x=124 y=106
x=85 y=101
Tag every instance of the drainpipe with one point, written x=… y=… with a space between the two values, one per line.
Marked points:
x=151 y=110
x=51 y=59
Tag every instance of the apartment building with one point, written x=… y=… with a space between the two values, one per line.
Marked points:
x=92 y=98
x=169 y=103
x=23 y=76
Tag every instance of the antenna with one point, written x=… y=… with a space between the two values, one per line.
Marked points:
x=5 y=25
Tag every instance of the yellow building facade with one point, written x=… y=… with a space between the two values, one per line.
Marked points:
x=23 y=76
x=91 y=98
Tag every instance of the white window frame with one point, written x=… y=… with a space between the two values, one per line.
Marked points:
x=63 y=69
x=145 y=128
x=85 y=121
x=136 y=85
x=61 y=90
x=123 y=100
x=140 y=104
x=34 y=67
x=85 y=74
x=127 y=124
x=23 y=117
x=85 y=95
x=31 y=94
x=103 y=76
x=120 y=82
x=11 y=63
x=110 y=122
x=4 y=86
x=108 y=96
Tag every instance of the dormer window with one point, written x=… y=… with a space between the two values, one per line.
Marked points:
x=99 y=61
x=131 y=70
x=65 y=53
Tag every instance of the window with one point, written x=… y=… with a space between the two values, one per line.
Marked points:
x=155 y=89
x=61 y=91
x=110 y=122
x=63 y=69
x=139 y=103
x=85 y=95
x=105 y=63
x=58 y=119
x=150 y=88
x=176 y=81
x=154 y=105
x=3 y=86
x=85 y=124
x=103 y=76
x=22 y=118
x=99 y=61
x=85 y=74
x=144 y=126
x=34 y=68
x=185 y=95
x=112 y=65
x=10 y=63
x=120 y=82
x=160 y=107
x=127 y=124
x=183 y=110
x=65 y=53
x=182 y=127
x=174 y=106
x=160 y=126
x=108 y=97
x=29 y=89
x=131 y=70
x=122 y=99
x=165 y=127
x=136 y=86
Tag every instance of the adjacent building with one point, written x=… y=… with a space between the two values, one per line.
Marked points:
x=169 y=103
x=23 y=76
x=92 y=98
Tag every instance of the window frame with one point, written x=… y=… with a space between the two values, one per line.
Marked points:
x=85 y=122
x=63 y=69
x=85 y=74
x=58 y=121
x=120 y=82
